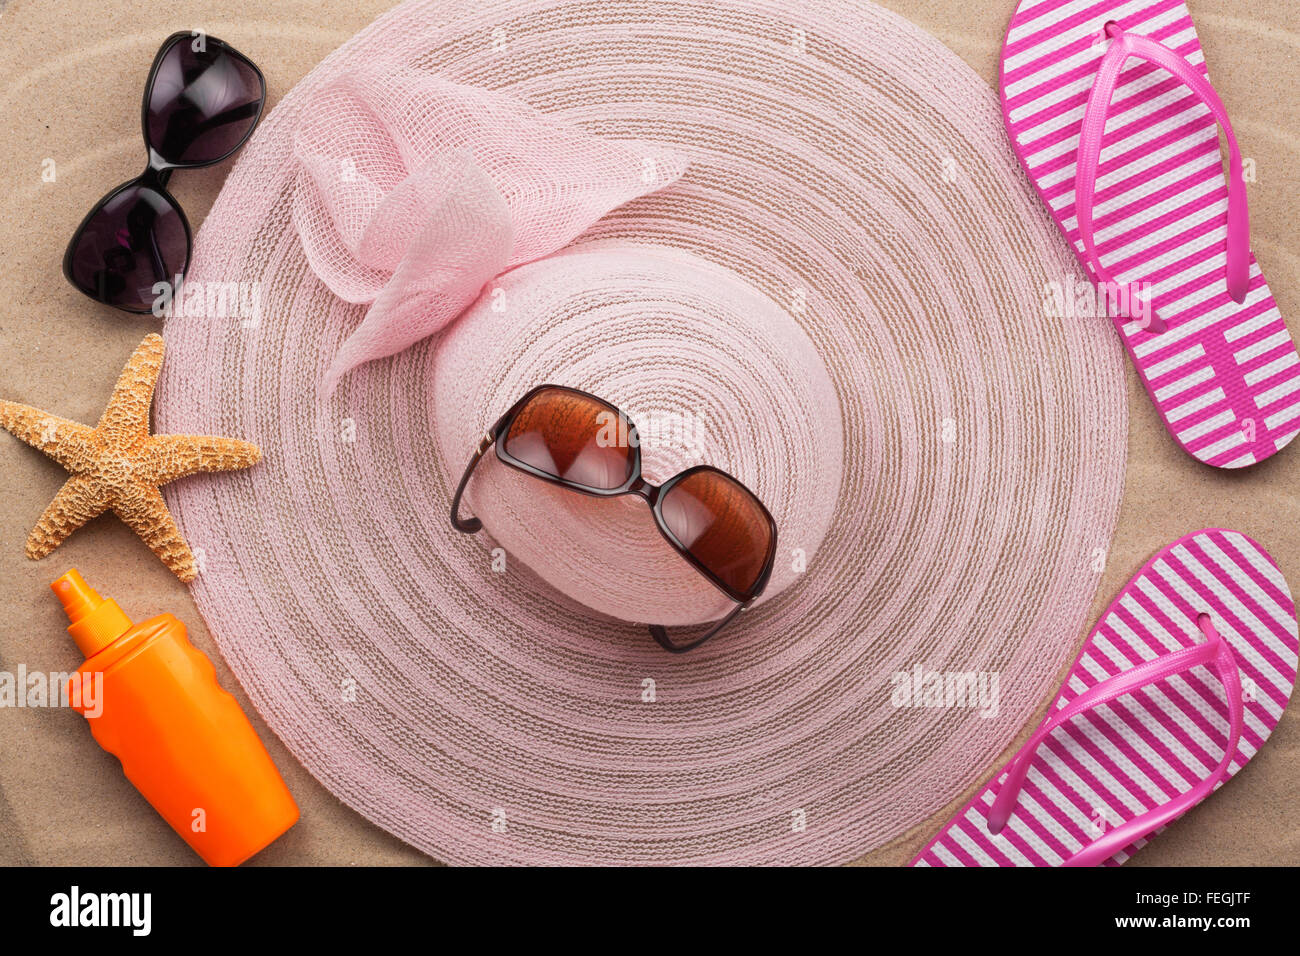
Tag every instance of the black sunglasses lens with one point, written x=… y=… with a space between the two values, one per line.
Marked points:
x=205 y=98
x=135 y=239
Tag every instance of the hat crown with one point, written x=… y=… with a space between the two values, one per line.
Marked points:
x=710 y=371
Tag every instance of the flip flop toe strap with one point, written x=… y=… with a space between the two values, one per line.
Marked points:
x=1122 y=46
x=1214 y=653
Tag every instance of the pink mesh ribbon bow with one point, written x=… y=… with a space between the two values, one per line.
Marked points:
x=413 y=192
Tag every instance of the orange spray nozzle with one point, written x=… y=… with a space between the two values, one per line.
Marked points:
x=96 y=622
x=78 y=597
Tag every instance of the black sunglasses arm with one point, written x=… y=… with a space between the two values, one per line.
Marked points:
x=470 y=525
x=661 y=636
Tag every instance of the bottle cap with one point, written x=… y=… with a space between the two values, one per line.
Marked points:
x=96 y=622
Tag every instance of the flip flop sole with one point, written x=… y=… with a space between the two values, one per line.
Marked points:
x=1224 y=376
x=1142 y=750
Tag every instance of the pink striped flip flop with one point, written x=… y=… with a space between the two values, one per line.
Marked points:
x=1179 y=684
x=1110 y=109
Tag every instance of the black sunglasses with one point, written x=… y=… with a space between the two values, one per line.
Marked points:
x=583 y=443
x=201 y=102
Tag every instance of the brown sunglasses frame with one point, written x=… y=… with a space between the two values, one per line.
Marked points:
x=634 y=485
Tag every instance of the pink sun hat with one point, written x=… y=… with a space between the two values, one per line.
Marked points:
x=790 y=244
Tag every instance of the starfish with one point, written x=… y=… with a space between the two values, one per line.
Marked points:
x=119 y=465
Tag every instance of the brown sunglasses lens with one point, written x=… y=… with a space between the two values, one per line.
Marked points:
x=722 y=525
x=578 y=439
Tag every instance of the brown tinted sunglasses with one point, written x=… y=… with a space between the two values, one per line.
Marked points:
x=585 y=444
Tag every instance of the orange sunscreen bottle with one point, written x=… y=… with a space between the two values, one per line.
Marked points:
x=183 y=741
